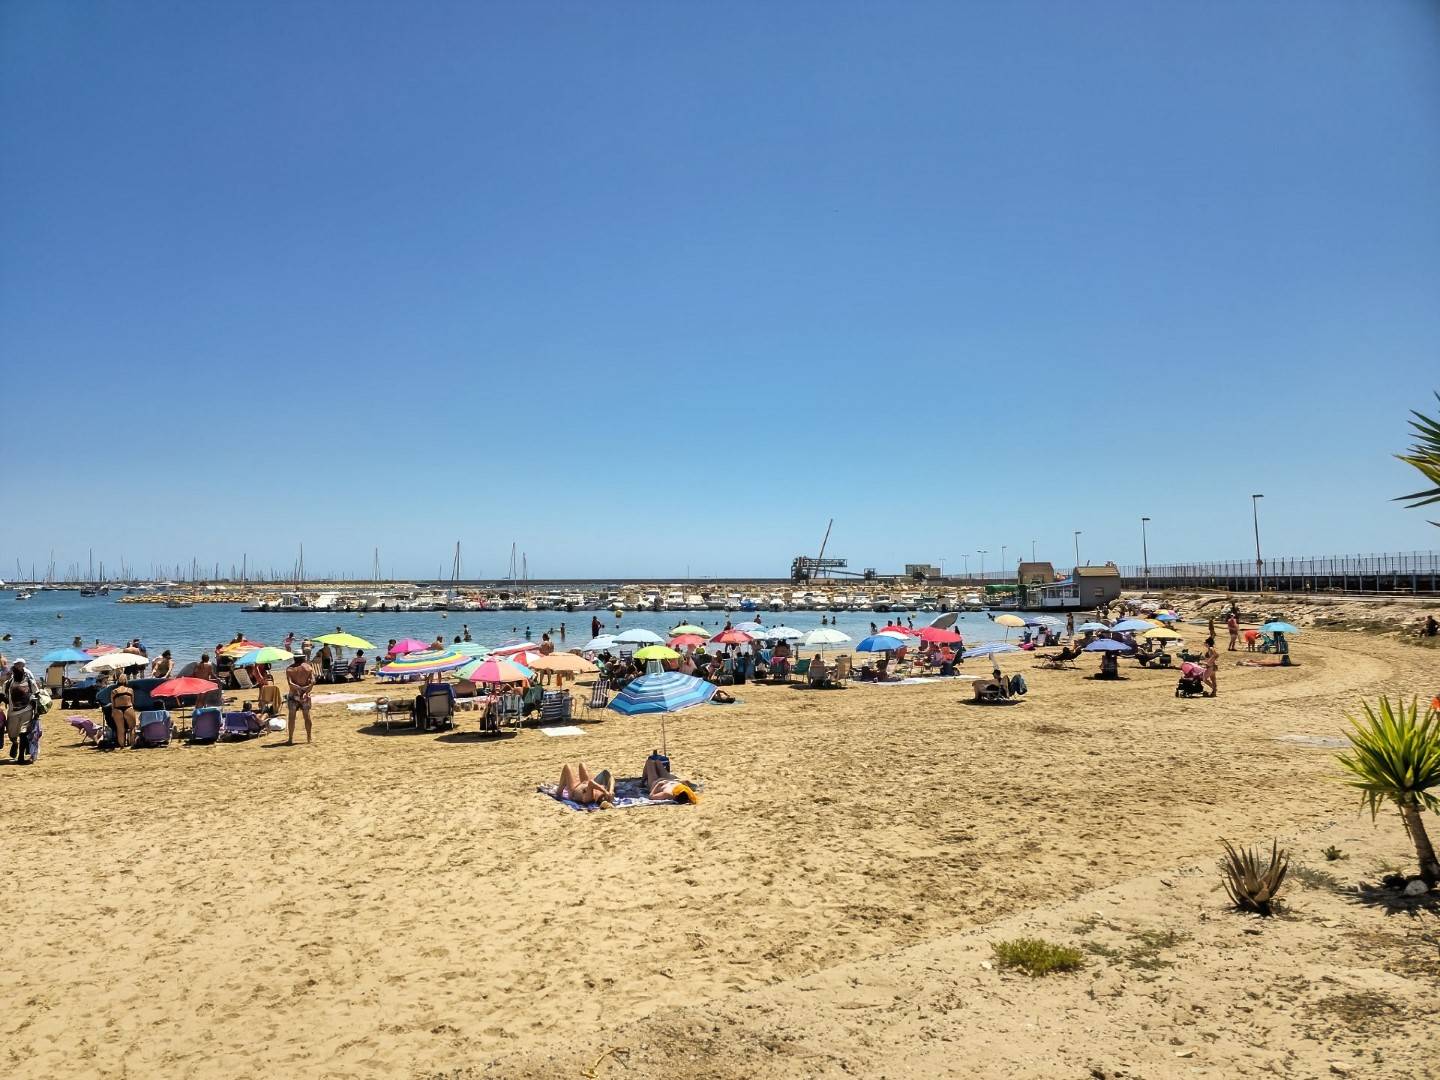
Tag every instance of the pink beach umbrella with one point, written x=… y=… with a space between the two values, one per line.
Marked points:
x=409 y=645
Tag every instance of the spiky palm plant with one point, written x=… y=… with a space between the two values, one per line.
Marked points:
x=1425 y=456
x=1394 y=756
x=1254 y=885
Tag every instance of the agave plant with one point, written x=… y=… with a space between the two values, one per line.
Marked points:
x=1251 y=885
x=1425 y=456
x=1394 y=756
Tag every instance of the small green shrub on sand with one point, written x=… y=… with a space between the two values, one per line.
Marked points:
x=1036 y=957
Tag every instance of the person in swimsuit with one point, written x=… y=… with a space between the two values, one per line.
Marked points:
x=1211 y=661
x=163 y=666
x=1232 y=624
x=204 y=670
x=578 y=785
x=122 y=712
x=664 y=784
x=301 y=679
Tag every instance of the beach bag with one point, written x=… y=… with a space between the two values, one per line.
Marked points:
x=43 y=701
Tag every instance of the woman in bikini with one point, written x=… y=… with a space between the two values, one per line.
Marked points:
x=122 y=711
x=663 y=784
x=578 y=785
x=1211 y=661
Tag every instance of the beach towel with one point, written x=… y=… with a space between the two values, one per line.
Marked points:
x=629 y=793
x=561 y=732
x=331 y=699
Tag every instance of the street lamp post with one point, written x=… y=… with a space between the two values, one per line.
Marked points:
x=1077 y=546
x=1145 y=551
x=966 y=557
x=1002 y=557
x=982 y=566
x=1259 y=563
x=1032 y=550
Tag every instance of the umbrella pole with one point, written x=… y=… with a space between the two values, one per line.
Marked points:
x=664 y=747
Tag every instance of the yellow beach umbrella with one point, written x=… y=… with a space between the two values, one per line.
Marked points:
x=1161 y=633
x=1009 y=620
x=656 y=652
x=345 y=641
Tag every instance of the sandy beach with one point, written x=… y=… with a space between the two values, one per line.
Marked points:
x=407 y=905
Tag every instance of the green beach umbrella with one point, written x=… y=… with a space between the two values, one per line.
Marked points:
x=690 y=628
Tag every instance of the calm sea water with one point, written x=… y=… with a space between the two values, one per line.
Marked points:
x=54 y=619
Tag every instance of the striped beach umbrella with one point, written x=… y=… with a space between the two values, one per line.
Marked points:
x=430 y=662
x=471 y=648
x=494 y=670
x=662 y=692
x=268 y=655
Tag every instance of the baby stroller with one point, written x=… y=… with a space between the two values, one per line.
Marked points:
x=1190 y=684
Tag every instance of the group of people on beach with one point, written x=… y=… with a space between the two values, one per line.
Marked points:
x=580 y=784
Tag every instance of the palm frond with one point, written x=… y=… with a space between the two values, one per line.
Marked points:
x=1424 y=456
x=1394 y=756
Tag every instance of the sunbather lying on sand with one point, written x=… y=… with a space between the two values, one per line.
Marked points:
x=577 y=784
x=663 y=784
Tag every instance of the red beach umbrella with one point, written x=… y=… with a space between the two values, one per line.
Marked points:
x=939 y=636
x=101 y=650
x=183 y=687
x=681 y=641
x=732 y=637
x=896 y=628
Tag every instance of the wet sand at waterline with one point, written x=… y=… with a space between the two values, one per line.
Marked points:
x=406 y=904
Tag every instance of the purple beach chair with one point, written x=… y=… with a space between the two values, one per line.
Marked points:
x=87 y=729
x=240 y=725
x=205 y=725
x=154 y=728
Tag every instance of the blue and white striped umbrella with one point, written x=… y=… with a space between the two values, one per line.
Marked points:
x=663 y=692
x=1106 y=644
x=990 y=648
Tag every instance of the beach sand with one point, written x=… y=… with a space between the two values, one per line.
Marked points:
x=407 y=905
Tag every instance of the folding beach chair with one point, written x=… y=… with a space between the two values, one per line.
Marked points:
x=242 y=679
x=800 y=668
x=88 y=730
x=154 y=728
x=555 y=707
x=439 y=708
x=599 y=699
x=205 y=725
x=239 y=725
x=840 y=673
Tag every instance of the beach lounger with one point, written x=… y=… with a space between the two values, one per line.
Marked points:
x=555 y=707
x=155 y=728
x=240 y=725
x=242 y=679
x=1064 y=658
x=205 y=725
x=88 y=730
x=599 y=699
x=510 y=711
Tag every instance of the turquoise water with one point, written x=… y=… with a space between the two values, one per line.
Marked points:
x=53 y=619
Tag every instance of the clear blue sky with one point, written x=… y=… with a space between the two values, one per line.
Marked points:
x=649 y=286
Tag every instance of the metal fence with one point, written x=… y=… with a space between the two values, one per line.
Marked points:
x=1413 y=572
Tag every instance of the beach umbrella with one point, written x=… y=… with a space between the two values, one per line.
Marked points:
x=492 y=670
x=662 y=692
x=345 y=641
x=471 y=648
x=638 y=636
x=1091 y=626
x=565 y=662
x=409 y=645
x=990 y=648
x=1161 y=633
x=1279 y=628
x=896 y=628
x=267 y=655
x=1128 y=625
x=748 y=627
x=599 y=644
x=731 y=637
x=1107 y=645
x=116 y=661
x=688 y=629
x=780 y=633
x=1009 y=620
x=513 y=648
x=1167 y=616
x=656 y=652
x=66 y=655
x=685 y=641
x=1045 y=620
x=184 y=687
x=939 y=636
x=101 y=650
x=426 y=663
x=823 y=636
x=240 y=648
x=880 y=643
x=945 y=621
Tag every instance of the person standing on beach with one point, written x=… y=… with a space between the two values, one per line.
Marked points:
x=301 y=678
x=1211 y=661
x=1233 y=625
x=289 y=643
x=1070 y=626
x=594 y=626
x=19 y=694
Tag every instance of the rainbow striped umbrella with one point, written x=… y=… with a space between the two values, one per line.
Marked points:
x=494 y=670
x=265 y=655
x=426 y=663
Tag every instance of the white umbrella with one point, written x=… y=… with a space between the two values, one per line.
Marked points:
x=639 y=637
x=823 y=636
x=779 y=633
x=599 y=644
x=115 y=661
